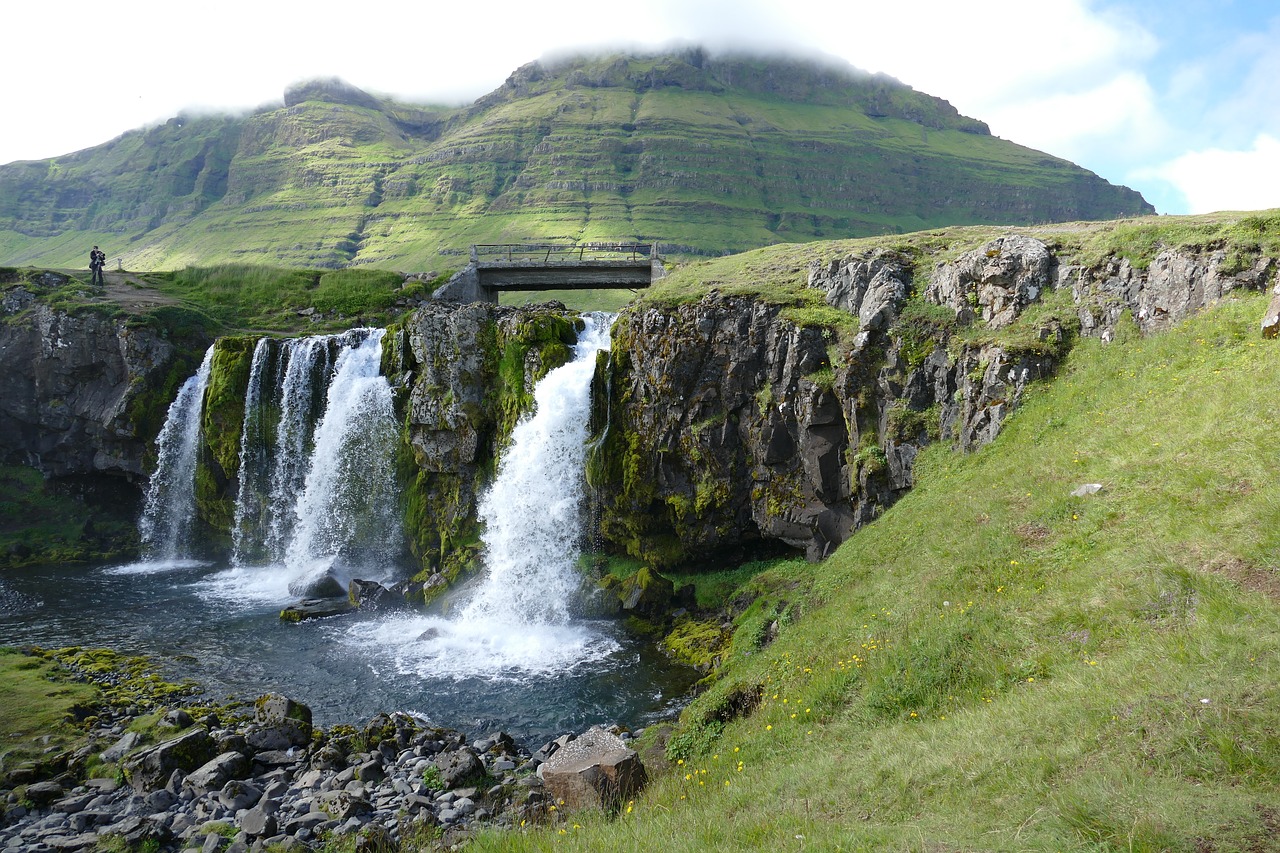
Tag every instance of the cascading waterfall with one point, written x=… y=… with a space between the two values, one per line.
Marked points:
x=316 y=502
x=347 y=512
x=305 y=382
x=252 y=452
x=287 y=380
x=170 y=504
x=532 y=512
x=516 y=623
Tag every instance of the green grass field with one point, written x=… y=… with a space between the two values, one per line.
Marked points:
x=997 y=665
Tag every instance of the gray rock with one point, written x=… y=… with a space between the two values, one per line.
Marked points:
x=158 y=801
x=83 y=841
x=370 y=771
x=1271 y=319
x=258 y=822
x=316 y=608
x=872 y=287
x=373 y=596
x=217 y=771
x=150 y=768
x=994 y=282
x=120 y=748
x=458 y=766
x=68 y=385
x=237 y=795
x=595 y=770
x=177 y=719
x=74 y=803
x=44 y=793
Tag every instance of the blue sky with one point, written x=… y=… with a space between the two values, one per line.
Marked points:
x=1177 y=98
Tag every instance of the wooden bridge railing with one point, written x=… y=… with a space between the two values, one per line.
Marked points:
x=561 y=252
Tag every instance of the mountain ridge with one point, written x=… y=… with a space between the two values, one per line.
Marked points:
x=706 y=154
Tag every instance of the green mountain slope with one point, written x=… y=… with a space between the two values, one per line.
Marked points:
x=704 y=155
x=996 y=664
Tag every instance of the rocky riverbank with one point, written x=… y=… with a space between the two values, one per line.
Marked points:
x=189 y=777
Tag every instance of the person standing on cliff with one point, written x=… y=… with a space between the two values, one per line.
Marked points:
x=97 y=259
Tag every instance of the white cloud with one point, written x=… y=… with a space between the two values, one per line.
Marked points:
x=1217 y=179
x=1118 y=117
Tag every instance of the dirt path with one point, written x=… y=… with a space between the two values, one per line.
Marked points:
x=126 y=290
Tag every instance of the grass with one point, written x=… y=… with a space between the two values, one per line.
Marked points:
x=995 y=664
x=243 y=296
x=36 y=704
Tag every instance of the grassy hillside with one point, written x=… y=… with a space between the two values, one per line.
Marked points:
x=997 y=665
x=704 y=155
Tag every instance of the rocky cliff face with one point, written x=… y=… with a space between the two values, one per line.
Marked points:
x=81 y=393
x=465 y=374
x=730 y=425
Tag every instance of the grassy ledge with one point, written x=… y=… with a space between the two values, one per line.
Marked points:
x=996 y=664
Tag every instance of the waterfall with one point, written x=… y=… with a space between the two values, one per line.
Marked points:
x=347 y=514
x=305 y=380
x=532 y=512
x=287 y=379
x=170 y=504
x=252 y=452
x=516 y=624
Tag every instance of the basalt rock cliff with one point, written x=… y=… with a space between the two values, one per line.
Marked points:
x=725 y=426
x=82 y=396
x=727 y=422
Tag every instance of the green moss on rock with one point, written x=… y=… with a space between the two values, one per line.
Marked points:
x=221 y=424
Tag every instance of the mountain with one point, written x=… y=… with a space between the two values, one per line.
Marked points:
x=706 y=155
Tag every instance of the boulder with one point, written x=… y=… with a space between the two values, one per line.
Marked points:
x=42 y=794
x=595 y=770
x=217 y=771
x=151 y=768
x=279 y=723
x=1271 y=320
x=458 y=766
x=238 y=795
x=341 y=805
x=259 y=821
x=315 y=608
x=646 y=593
x=120 y=748
x=371 y=595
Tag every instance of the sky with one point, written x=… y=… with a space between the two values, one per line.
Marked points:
x=1175 y=98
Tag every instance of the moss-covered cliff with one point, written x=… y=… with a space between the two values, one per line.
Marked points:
x=782 y=396
x=466 y=375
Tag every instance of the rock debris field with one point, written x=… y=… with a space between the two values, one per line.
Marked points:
x=272 y=781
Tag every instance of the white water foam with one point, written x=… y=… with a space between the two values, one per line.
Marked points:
x=436 y=647
x=246 y=587
x=155 y=567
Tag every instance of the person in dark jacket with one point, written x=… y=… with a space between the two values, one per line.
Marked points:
x=97 y=259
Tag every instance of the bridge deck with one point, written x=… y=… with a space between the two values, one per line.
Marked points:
x=553 y=266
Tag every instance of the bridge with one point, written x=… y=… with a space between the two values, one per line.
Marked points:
x=552 y=266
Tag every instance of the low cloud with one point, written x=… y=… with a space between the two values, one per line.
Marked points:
x=1218 y=179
